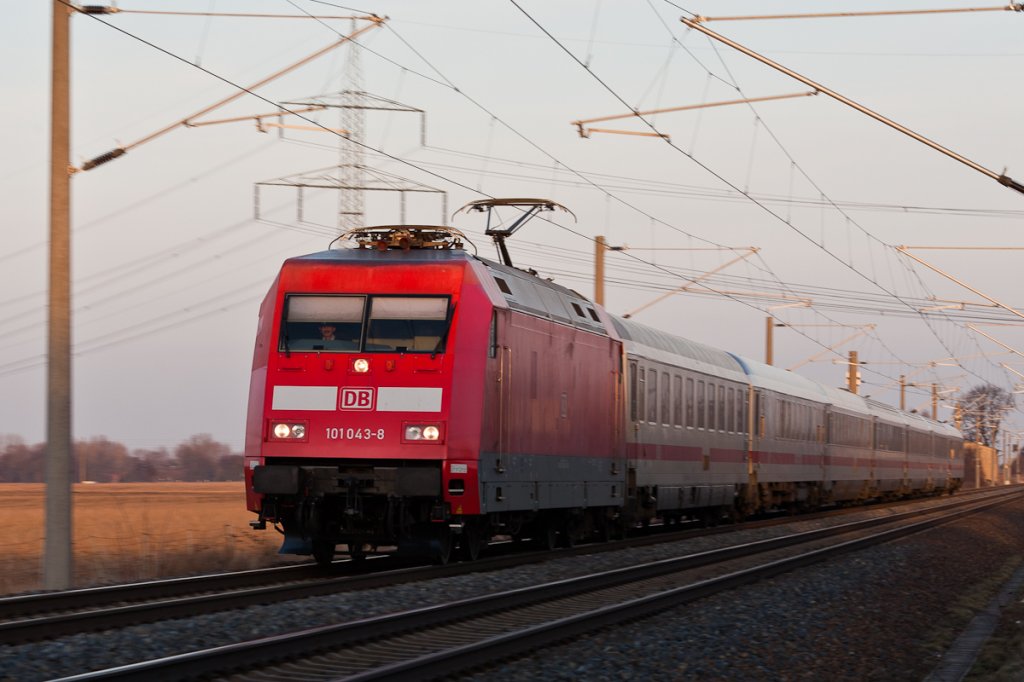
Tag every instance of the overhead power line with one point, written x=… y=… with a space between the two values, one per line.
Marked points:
x=463 y=185
x=782 y=219
x=1012 y=7
x=1001 y=178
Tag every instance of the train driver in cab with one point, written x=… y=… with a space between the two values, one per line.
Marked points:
x=327 y=339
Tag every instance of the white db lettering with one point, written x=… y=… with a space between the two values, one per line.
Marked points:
x=357 y=398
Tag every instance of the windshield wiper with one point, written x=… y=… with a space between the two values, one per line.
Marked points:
x=444 y=335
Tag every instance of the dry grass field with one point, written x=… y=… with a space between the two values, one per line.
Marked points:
x=125 y=532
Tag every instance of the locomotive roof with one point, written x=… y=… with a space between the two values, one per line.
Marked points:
x=522 y=290
x=390 y=255
x=527 y=292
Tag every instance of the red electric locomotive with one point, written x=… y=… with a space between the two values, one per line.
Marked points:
x=399 y=398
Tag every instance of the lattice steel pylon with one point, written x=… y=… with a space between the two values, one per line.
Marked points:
x=351 y=204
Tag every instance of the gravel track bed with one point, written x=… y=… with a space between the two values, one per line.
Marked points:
x=734 y=636
x=887 y=613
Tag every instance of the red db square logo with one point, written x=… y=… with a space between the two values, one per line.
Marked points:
x=357 y=398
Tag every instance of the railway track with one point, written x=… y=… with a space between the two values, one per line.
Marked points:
x=449 y=638
x=49 y=615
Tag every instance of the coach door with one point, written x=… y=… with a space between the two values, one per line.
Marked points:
x=755 y=427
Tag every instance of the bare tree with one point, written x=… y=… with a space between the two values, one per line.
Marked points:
x=20 y=463
x=983 y=408
x=198 y=457
x=101 y=459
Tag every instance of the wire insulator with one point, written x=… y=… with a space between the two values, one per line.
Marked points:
x=1011 y=183
x=97 y=9
x=103 y=158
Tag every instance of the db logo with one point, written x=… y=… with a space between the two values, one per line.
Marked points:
x=357 y=398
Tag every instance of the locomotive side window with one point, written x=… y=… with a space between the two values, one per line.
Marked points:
x=492 y=347
x=323 y=323
x=407 y=324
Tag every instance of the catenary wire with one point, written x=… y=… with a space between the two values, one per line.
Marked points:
x=400 y=160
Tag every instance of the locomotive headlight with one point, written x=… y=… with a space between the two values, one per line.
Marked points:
x=291 y=430
x=361 y=365
x=421 y=433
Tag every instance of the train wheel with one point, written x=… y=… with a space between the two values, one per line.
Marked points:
x=472 y=542
x=441 y=546
x=323 y=552
x=546 y=536
x=570 y=530
x=356 y=552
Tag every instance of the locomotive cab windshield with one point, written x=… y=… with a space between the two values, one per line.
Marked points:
x=370 y=324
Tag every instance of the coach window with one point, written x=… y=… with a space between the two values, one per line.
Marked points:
x=689 y=403
x=677 y=400
x=642 y=397
x=666 y=398
x=711 y=406
x=700 y=404
x=731 y=426
x=632 y=391
x=721 y=408
x=321 y=323
x=652 y=397
x=407 y=324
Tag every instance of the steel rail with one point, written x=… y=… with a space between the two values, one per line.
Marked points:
x=49 y=615
x=292 y=646
x=485 y=652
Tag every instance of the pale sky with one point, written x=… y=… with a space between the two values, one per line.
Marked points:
x=170 y=261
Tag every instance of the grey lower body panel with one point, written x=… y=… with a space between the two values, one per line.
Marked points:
x=695 y=496
x=518 y=482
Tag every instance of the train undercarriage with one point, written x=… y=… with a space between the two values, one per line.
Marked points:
x=398 y=507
